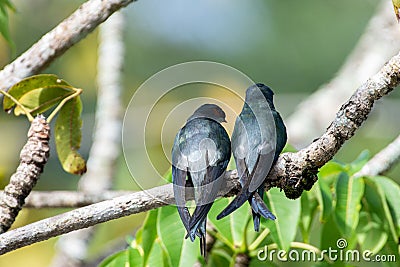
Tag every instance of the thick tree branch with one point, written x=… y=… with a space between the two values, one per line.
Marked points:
x=33 y=157
x=95 y=214
x=379 y=164
x=293 y=172
x=53 y=44
x=382 y=161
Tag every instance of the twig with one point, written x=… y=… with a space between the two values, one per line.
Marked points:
x=382 y=161
x=53 y=44
x=33 y=157
x=67 y=199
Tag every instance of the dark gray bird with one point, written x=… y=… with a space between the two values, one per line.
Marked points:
x=258 y=138
x=201 y=153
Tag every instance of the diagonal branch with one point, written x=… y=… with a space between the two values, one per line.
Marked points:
x=53 y=44
x=293 y=172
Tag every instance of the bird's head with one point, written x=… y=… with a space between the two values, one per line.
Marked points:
x=210 y=111
x=253 y=92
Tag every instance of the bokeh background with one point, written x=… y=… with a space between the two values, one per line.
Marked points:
x=293 y=46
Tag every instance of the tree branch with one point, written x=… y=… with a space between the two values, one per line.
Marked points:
x=53 y=44
x=68 y=199
x=98 y=213
x=33 y=157
x=293 y=172
x=382 y=161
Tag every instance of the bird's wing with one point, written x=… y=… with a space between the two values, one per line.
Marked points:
x=261 y=169
x=179 y=182
x=256 y=176
x=210 y=186
x=244 y=193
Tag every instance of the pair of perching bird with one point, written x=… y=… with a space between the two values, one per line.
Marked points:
x=202 y=150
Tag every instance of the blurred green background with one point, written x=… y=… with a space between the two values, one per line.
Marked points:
x=293 y=46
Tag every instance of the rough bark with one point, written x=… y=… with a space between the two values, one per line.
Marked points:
x=295 y=172
x=95 y=214
x=33 y=157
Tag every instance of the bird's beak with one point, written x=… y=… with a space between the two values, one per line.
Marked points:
x=224 y=121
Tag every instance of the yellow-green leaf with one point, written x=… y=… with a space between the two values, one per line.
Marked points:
x=39 y=100
x=68 y=136
x=25 y=86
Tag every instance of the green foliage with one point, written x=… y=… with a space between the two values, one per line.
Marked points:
x=38 y=94
x=68 y=136
x=363 y=211
x=5 y=5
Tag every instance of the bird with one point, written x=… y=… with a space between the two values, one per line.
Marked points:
x=258 y=137
x=200 y=155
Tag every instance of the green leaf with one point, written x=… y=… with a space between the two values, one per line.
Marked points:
x=349 y=191
x=232 y=228
x=325 y=198
x=4 y=26
x=219 y=258
x=329 y=234
x=156 y=256
x=392 y=193
x=384 y=202
x=128 y=258
x=42 y=81
x=359 y=162
x=308 y=208
x=39 y=100
x=330 y=172
x=371 y=234
x=68 y=136
x=287 y=212
x=178 y=250
x=148 y=234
